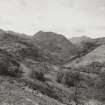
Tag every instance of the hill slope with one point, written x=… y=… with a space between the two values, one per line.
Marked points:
x=84 y=44
x=13 y=92
x=79 y=40
x=56 y=45
x=30 y=66
x=97 y=55
x=22 y=58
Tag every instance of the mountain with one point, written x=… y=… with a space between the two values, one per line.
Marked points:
x=96 y=51
x=23 y=47
x=79 y=40
x=32 y=70
x=100 y=41
x=56 y=45
x=84 y=43
x=22 y=59
x=18 y=46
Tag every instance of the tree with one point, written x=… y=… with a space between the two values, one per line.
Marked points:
x=88 y=46
x=77 y=85
x=75 y=79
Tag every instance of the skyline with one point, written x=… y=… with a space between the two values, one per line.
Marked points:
x=71 y=18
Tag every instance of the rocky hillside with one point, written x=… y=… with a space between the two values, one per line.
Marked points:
x=84 y=44
x=24 y=59
x=60 y=48
x=13 y=92
x=96 y=54
x=32 y=70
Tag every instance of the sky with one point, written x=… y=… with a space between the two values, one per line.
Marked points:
x=68 y=17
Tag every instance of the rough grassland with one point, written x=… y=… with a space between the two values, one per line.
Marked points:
x=15 y=93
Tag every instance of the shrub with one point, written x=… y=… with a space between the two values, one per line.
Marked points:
x=4 y=64
x=67 y=77
x=9 y=67
x=60 y=76
x=14 y=71
x=37 y=74
x=3 y=67
x=88 y=46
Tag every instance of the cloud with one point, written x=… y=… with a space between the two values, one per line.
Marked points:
x=79 y=31
x=23 y=2
x=68 y=3
x=102 y=27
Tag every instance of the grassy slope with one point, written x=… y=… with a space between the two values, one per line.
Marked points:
x=96 y=55
x=13 y=92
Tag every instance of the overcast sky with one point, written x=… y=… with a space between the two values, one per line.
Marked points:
x=69 y=17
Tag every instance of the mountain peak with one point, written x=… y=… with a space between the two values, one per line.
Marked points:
x=56 y=44
x=48 y=35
